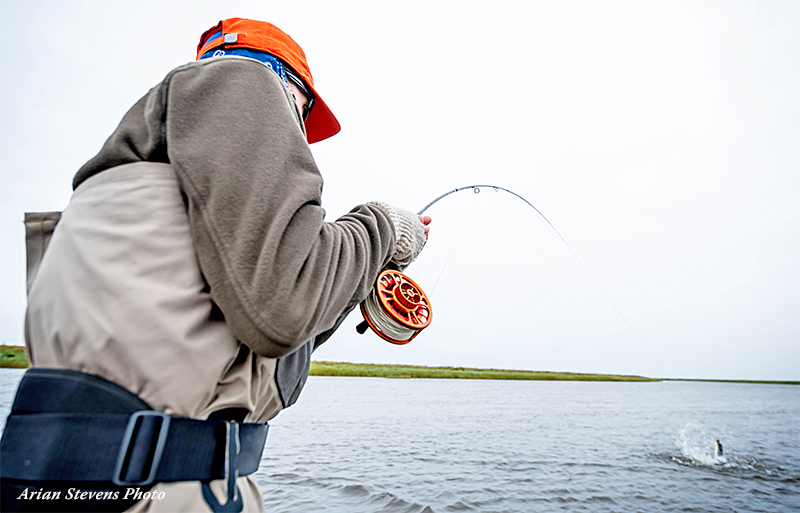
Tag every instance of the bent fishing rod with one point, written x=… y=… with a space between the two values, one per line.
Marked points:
x=397 y=309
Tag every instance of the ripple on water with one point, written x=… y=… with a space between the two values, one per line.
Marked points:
x=528 y=447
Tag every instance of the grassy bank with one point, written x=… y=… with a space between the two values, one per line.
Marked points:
x=409 y=371
x=13 y=357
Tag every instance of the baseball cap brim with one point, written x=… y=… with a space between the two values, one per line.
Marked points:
x=321 y=122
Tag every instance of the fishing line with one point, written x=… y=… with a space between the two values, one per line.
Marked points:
x=382 y=320
x=476 y=189
x=455 y=241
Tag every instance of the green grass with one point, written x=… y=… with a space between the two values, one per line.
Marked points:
x=410 y=371
x=13 y=357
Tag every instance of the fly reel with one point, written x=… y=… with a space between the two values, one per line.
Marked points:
x=396 y=309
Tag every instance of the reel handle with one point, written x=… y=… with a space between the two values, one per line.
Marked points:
x=362 y=328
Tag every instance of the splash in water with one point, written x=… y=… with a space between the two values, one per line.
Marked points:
x=698 y=447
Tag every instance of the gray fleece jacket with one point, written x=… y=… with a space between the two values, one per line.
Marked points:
x=233 y=135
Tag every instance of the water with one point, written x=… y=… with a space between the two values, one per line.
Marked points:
x=354 y=445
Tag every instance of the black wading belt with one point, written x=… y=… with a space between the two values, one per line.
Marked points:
x=77 y=442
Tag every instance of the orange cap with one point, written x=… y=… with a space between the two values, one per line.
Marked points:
x=266 y=37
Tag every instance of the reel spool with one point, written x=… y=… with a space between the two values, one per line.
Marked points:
x=396 y=309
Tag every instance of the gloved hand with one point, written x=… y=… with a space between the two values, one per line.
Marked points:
x=411 y=232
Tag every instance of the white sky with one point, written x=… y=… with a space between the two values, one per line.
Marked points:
x=660 y=138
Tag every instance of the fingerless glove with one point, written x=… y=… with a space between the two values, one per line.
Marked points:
x=409 y=232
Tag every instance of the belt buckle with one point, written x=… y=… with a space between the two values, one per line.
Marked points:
x=135 y=423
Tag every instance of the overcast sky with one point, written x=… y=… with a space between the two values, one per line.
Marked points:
x=662 y=139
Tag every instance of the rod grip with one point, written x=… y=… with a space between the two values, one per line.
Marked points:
x=362 y=328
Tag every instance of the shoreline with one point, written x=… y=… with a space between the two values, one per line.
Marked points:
x=15 y=357
x=375 y=370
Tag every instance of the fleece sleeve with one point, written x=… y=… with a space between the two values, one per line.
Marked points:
x=278 y=272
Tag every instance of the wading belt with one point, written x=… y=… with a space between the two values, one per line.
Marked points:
x=71 y=430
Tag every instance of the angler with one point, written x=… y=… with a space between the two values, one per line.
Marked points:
x=173 y=306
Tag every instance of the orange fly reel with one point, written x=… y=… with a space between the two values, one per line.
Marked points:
x=397 y=309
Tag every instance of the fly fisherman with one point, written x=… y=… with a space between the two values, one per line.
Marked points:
x=185 y=287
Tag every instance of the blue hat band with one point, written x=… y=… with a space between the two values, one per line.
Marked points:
x=272 y=62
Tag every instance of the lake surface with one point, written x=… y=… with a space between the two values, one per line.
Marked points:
x=355 y=445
